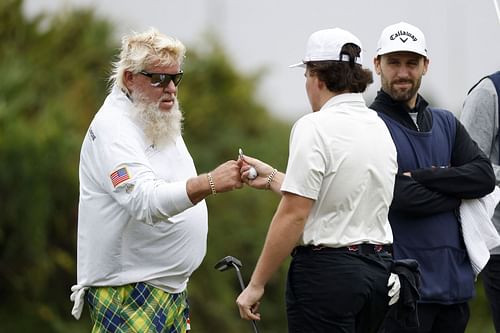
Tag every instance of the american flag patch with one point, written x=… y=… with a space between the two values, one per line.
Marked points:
x=119 y=176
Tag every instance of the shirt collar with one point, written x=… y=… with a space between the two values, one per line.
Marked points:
x=344 y=98
x=421 y=103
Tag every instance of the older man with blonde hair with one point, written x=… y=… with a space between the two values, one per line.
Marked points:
x=142 y=224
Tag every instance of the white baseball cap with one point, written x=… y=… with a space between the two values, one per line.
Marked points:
x=402 y=37
x=326 y=45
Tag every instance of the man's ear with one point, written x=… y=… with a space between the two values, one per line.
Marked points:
x=128 y=80
x=426 y=66
x=376 y=65
x=319 y=83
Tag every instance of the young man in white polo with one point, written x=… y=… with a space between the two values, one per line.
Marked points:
x=336 y=194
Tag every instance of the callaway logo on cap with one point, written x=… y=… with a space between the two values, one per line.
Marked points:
x=402 y=37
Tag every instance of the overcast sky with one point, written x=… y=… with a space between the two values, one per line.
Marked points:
x=463 y=37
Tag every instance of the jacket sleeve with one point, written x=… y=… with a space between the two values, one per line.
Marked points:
x=480 y=117
x=469 y=176
x=411 y=197
x=144 y=195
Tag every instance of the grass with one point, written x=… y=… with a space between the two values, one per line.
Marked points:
x=480 y=315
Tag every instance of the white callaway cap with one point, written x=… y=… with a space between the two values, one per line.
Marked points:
x=402 y=37
x=326 y=44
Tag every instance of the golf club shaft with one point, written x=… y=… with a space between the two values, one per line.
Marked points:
x=242 y=284
x=255 y=329
x=254 y=324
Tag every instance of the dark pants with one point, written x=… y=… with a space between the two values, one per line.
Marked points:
x=337 y=292
x=491 y=280
x=433 y=318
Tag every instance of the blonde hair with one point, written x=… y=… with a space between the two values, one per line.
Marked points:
x=141 y=50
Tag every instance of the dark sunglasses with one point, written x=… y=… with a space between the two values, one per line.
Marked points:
x=163 y=79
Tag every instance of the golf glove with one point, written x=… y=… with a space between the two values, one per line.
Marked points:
x=395 y=286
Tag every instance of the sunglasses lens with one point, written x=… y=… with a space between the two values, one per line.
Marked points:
x=177 y=78
x=162 y=80
x=157 y=79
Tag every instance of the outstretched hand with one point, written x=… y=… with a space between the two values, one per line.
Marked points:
x=226 y=177
x=263 y=171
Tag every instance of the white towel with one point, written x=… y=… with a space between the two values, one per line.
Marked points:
x=77 y=294
x=479 y=233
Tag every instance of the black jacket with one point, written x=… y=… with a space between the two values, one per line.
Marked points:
x=435 y=190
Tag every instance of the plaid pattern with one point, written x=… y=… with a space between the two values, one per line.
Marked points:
x=137 y=308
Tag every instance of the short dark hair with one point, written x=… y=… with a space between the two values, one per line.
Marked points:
x=340 y=76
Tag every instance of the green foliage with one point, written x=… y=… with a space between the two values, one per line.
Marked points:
x=221 y=115
x=54 y=78
x=480 y=313
x=52 y=82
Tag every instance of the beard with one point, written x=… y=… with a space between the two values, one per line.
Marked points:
x=161 y=127
x=398 y=94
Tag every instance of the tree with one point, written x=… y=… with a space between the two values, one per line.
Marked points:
x=52 y=82
x=218 y=103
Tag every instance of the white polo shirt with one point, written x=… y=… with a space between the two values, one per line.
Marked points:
x=135 y=222
x=343 y=157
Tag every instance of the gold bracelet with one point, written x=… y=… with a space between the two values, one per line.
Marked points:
x=270 y=178
x=211 y=183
